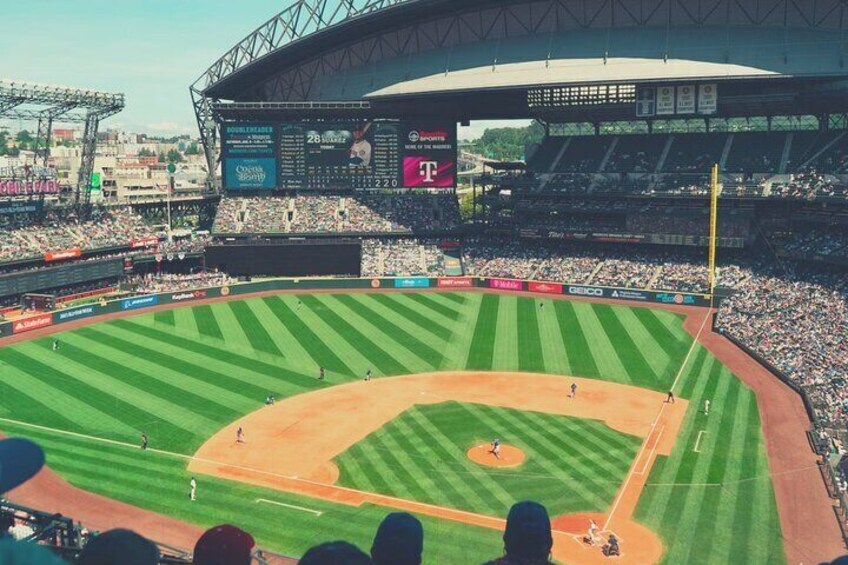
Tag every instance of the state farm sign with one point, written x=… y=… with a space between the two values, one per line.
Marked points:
x=29 y=324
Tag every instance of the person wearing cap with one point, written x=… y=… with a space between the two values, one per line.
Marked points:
x=224 y=545
x=119 y=546
x=335 y=553
x=399 y=540
x=527 y=536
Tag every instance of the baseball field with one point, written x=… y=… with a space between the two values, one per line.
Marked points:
x=451 y=372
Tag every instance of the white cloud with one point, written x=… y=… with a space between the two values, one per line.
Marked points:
x=168 y=127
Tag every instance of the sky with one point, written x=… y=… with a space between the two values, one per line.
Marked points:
x=150 y=50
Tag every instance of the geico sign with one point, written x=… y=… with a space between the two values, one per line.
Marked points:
x=579 y=290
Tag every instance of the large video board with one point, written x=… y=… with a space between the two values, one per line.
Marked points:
x=344 y=154
x=249 y=153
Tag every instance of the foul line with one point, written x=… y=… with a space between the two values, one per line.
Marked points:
x=632 y=470
x=651 y=454
x=292 y=506
x=698 y=441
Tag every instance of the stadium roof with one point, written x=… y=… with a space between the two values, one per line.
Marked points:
x=335 y=49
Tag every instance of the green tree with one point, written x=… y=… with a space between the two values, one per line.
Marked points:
x=145 y=152
x=24 y=139
x=175 y=156
x=192 y=149
x=508 y=144
x=466 y=206
x=162 y=157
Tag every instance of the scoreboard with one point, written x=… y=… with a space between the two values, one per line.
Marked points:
x=53 y=277
x=344 y=154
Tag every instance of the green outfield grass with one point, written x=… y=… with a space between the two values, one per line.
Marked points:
x=420 y=455
x=181 y=375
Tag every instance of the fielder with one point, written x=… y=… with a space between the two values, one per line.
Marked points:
x=706 y=407
x=192 y=493
x=239 y=435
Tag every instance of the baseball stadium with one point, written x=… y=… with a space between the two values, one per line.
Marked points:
x=367 y=341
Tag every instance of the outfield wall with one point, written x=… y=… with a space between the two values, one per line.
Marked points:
x=141 y=302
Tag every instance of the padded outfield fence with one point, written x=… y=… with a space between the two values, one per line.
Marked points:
x=143 y=301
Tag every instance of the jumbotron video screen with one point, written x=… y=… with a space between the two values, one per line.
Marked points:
x=331 y=155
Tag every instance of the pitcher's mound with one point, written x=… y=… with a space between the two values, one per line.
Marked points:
x=509 y=456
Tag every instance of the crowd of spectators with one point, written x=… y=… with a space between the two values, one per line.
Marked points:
x=170 y=282
x=24 y=236
x=323 y=214
x=401 y=258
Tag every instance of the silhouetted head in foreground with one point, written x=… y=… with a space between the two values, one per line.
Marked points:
x=399 y=540
x=119 y=546
x=335 y=553
x=527 y=537
x=224 y=545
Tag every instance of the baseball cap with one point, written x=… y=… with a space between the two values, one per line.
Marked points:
x=20 y=460
x=399 y=540
x=528 y=531
x=223 y=545
x=119 y=546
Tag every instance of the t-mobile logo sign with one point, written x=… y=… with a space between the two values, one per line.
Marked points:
x=428 y=169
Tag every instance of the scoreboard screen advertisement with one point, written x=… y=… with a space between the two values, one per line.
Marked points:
x=342 y=154
x=249 y=157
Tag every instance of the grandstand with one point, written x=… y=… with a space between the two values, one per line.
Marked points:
x=331 y=142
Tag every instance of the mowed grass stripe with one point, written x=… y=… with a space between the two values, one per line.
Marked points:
x=400 y=306
x=710 y=524
x=394 y=332
x=220 y=354
x=207 y=323
x=185 y=375
x=505 y=356
x=403 y=324
x=602 y=349
x=653 y=353
x=382 y=361
x=25 y=406
x=80 y=414
x=674 y=344
x=551 y=341
x=253 y=328
x=164 y=317
x=481 y=352
x=320 y=352
x=456 y=297
x=480 y=492
x=572 y=477
x=580 y=357
x=632 y=359
x=133 y=415
x=153 y=393
x=530 y=357
x=435 y=305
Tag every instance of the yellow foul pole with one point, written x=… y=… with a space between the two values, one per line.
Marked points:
x=713 y=225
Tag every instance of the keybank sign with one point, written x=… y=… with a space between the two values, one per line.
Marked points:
x=250 y=173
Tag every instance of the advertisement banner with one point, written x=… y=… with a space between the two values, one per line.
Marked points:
x=590 y=291
x=665 y=101
x=139 y=302
x=707 y=99
x=506 y=284
x=675 y=298
x=546 y=288
x=686 y=99
x=429 y=155
x=63 y=255
x=412 y=282
x=145 y=242
x=245 y=174
x=73 y=314
x=457 y=282
x=630 y=295
x=33 y=323
x=190 y=295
